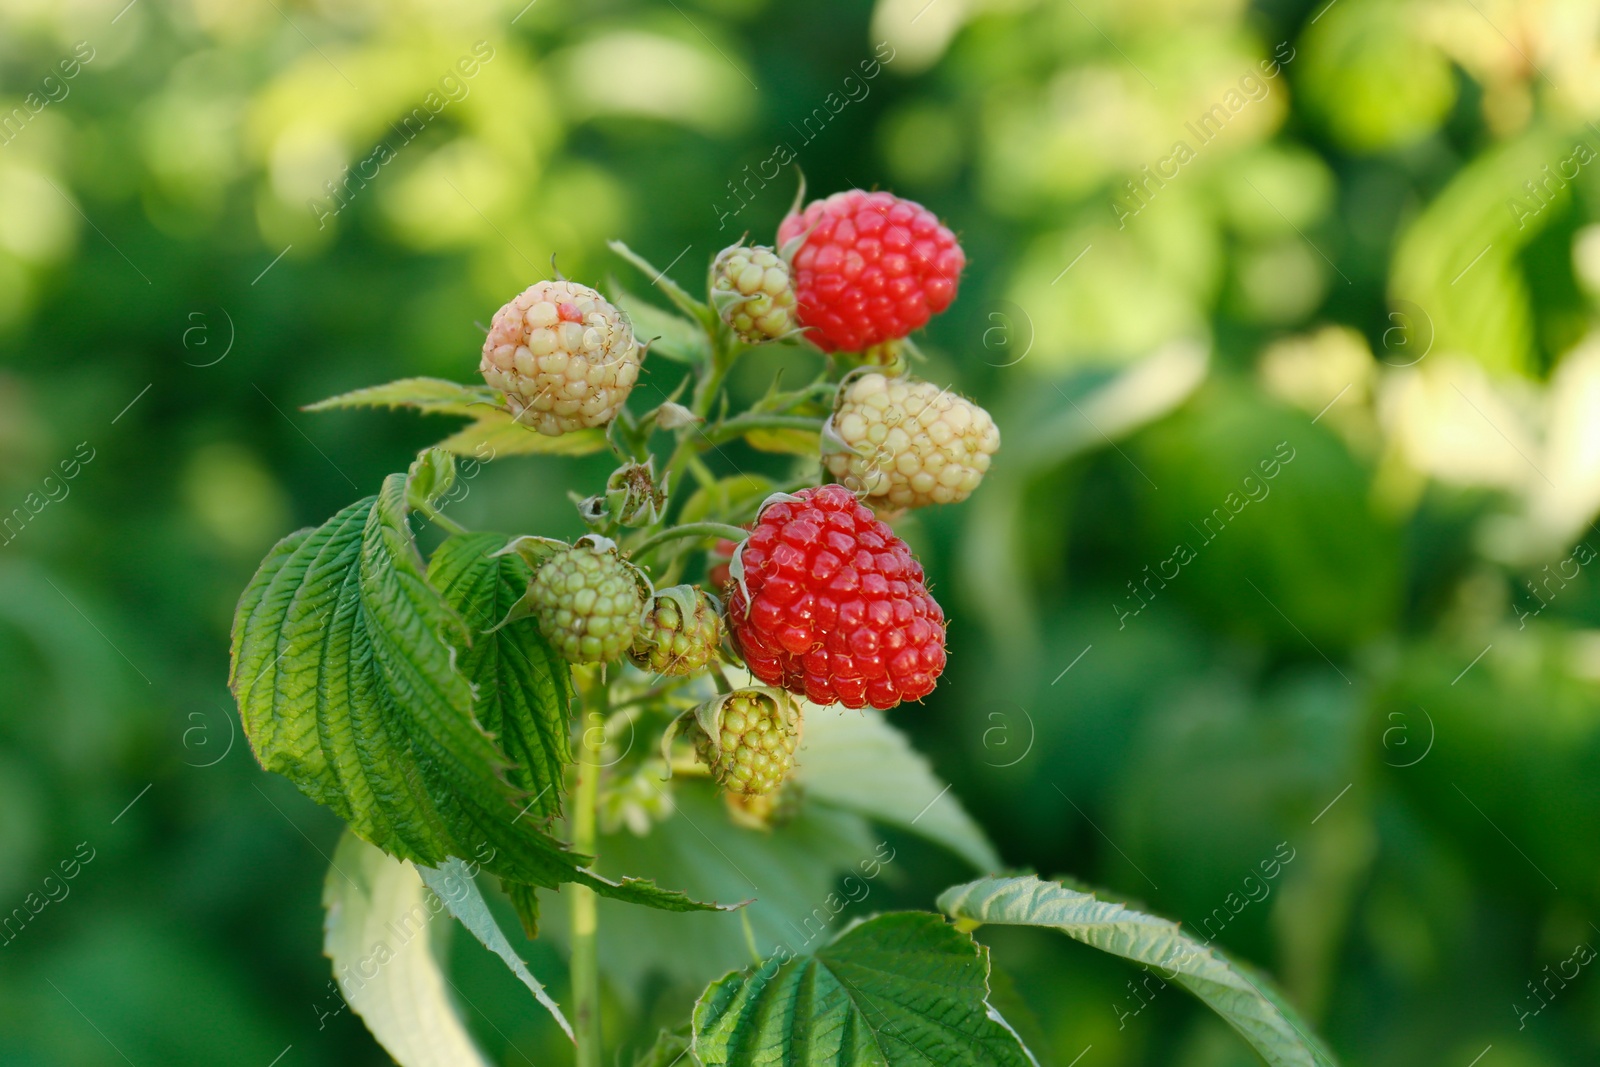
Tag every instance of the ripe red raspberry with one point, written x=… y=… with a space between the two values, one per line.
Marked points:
x=874 y=267
x=832 y=604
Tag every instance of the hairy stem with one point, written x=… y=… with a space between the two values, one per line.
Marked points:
x=585 y=803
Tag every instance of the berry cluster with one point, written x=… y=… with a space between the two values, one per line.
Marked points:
x=824 y=600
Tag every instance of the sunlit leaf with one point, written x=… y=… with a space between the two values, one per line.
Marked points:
x=791 y=442
x=497 y=434
x=1246 y=1002
x=433 y=395
x=377 y=934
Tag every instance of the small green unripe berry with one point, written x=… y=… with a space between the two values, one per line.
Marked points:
x=588 y=603
x=680 y=634
x=757 y=734
x=753 y=293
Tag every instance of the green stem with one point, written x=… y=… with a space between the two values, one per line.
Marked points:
x=740 y=425
x=585 y=914
x=693 y=529
x=440 y=519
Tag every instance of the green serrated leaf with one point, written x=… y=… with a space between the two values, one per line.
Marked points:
x=310 y=696
x=524 y=690
x=497 y=434
x=901 y=989
x=432 y=395
x=670 y=335
x=376 y=934
x=344 y=666
x=453 y=883
x=856 y=761
x=1246 y=1002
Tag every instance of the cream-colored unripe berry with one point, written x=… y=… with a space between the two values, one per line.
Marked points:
x=910 y=443
x=563 y=355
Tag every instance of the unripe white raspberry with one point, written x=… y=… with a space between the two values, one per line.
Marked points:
x=908 y=443
x=753 y=293
x=564 y=356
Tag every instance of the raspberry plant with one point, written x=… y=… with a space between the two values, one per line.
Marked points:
x=462 y=709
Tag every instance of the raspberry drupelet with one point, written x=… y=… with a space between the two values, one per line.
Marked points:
x=873 y=267
x=833 y=605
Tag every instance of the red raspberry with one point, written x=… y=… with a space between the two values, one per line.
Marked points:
x=833 y=605
x=874 y=267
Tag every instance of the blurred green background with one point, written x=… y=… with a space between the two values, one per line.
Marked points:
x=1349 y=243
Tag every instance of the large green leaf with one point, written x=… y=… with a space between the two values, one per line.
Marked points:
x=377 y=934
x=1248 y=1003
x=345 y=669
x=524 y=690
x=433 y=395
x=904 y=988
x=856 y=761
x=453 y=883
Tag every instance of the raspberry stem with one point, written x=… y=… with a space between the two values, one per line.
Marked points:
x=439 y=518
x=584 y=903
x=703 y=530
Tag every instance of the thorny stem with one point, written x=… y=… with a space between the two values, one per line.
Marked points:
x=585 y=912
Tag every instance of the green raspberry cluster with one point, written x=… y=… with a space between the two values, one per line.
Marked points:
x=756 y=736
x=680 y=634
x=588 y=602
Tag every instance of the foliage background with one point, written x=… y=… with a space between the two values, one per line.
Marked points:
x=1388 y=661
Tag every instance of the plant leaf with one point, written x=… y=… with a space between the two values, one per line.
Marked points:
x=310 y=696
x=344 y=667
x=1248 y=1004
x=497 y=433
x=789 y=441
x=900 y=989
x=453 y=883
x=524 y=690
x=669 y=335
x=855 y=760
x=377 y=920
x=432 y=474
x=682 y=300
x=432 y=395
